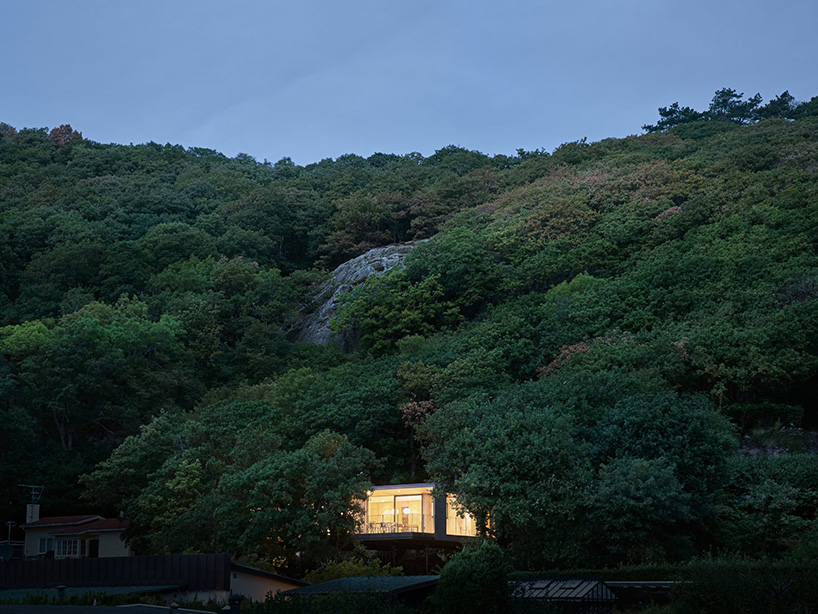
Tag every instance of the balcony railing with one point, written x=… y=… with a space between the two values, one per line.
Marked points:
x=370 y=528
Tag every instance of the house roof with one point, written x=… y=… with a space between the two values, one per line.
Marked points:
x=393 y=585
x=95 y=526
x=266 y=574
x=49 y=521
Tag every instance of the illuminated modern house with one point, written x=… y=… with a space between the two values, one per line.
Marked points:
x=407 y=515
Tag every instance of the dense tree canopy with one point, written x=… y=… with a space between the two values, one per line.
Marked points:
x=579 y=347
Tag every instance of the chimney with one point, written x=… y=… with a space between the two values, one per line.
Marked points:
x=32 y=512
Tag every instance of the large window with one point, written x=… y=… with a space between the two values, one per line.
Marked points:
x=380 y=514
x=46 y=545
x=400 y=510
x=459 y=521
x=70 y=547
x=409 y=513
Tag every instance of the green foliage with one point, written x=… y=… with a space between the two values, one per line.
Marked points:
x=304 y=501
x=568 y=345
x=517 y=464
x=387 y=308
x=728 y=105
x=663 y=465
x=468 y=274
x=686 y=433
x=771 y=506
x=474 y=579
x=192 y=473
x=727 y=587
x=638 y=507
x=101 y=370
x=673 y=116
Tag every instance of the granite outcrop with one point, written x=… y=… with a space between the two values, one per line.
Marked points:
x=314 y=327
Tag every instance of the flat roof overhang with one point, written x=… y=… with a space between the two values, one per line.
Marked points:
x=403 y=486
x=409 y=539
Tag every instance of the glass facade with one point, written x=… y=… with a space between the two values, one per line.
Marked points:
x=400 y=510
x=410 y=508
x=458 y=520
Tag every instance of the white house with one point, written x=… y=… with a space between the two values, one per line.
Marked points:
x=89 y=535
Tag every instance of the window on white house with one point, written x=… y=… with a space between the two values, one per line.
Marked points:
x=70 y=547
x=46 y=545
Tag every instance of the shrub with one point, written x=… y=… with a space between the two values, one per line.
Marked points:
x=474 y=580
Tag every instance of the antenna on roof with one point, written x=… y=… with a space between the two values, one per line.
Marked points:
x=36 y=491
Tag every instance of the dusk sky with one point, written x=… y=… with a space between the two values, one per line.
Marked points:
x=317 y=79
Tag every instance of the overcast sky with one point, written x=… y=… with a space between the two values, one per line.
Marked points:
x=312 y=79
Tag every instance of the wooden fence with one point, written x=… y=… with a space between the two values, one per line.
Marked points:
x=189 y=571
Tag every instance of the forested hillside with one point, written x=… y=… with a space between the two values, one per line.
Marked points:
x=578 y=352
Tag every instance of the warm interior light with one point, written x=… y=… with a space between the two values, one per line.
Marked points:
x=406 y=510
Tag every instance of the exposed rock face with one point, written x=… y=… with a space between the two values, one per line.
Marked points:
x=314 y=328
